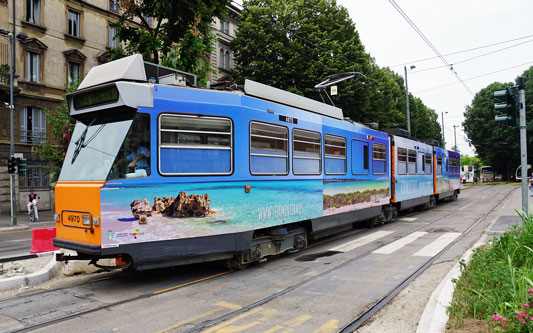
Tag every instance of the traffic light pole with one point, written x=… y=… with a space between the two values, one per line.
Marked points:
x=523 y=142
x=12 y=134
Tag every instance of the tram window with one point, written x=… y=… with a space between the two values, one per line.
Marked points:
x=402 y=161
x=133 y=158
x=306 y=152
x=439 y=165
x=334 y=155
x=429 y=169
x=195 y=145
x=379 y=159
x=420 y=165
x=269 y=149
x=411 y=162
x=446 y=162
x=360 y=157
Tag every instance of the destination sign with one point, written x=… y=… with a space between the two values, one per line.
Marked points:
x=290 y=120
x=96 y=97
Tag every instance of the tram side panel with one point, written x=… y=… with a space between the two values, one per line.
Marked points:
x=443 y=182
x=412 y=173
x=455 y=171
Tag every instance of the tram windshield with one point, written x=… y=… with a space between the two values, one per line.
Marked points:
x=100 y=151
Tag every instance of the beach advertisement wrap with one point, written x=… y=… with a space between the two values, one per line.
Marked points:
x=342 y=196
x=410 y=187
x=174 y=211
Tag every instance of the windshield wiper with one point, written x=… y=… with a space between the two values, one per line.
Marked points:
x=80 y=143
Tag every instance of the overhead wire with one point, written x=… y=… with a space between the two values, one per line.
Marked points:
x=463 y=51
x=428 y=42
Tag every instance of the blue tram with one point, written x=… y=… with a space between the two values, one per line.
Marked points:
x=162 y=174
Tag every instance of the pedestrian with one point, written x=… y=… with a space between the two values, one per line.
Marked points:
x=32 y=199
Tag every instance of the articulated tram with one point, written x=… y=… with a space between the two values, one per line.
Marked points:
x=161 y=174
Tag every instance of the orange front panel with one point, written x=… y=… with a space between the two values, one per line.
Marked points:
x=72 y=198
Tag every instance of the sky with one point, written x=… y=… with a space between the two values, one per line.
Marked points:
x=450 y=26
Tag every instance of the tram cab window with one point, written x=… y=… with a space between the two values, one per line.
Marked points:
x=429 y=169
x=306 y=152
x=411 y=162
x=402 y=161
x=133 y=158
x=379 y=159
x=439 y=165
x=420 y=164
x=269 y=149
x=195 y=145
x=334 y=155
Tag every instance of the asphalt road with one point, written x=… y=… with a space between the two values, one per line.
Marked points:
x=320 y=289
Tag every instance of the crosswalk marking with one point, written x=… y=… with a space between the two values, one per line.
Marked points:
x=437 y=245
x=360 y=241
x=408 y=219
x=398 y=244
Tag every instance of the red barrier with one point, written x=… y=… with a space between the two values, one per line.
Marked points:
x=42 y=240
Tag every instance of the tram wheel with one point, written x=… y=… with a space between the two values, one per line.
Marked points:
x=373 y=222
x=235 y=264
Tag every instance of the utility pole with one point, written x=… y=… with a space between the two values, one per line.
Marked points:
x=523 y=142
x=443 y=141
x=12 y=126
x=455 y=138
x=407 y=99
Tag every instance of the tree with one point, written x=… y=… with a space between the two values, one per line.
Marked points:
x=293 y=45
x=176 y=34
x=53 y=151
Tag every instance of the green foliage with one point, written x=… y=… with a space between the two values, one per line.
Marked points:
x=53 y=151
x=496 y=144
x=293 y=45
x=180 y=35
x=470 y=160
x=496 y=285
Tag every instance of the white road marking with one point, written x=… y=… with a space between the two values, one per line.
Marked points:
x=465 y=206
x=396 y=245
x=408 y=219
x=437 y=245
x=360 y=241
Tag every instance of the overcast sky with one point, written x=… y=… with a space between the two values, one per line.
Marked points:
x=451 y=26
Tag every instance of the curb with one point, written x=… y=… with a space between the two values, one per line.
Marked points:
x=45 y=274
x=434 y=318
x=14 y=228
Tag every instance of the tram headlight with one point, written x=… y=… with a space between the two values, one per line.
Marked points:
x=86 y=220
x=96 y=221
x=56 y=218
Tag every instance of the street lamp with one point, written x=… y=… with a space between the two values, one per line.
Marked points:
x=20 y=36
x=407 y=99
x=443 y=142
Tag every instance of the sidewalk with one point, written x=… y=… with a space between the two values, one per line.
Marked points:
x=46 y=220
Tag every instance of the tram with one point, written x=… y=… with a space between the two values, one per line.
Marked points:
x=486 y=173
x=160 y=174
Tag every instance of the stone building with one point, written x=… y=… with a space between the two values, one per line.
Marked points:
x=65 y=38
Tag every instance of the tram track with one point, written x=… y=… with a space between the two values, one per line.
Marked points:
x=360 y=319
x=209 y=323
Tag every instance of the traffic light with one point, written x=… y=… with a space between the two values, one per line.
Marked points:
x=11 y=163
x=21 y=165
x=509 y=107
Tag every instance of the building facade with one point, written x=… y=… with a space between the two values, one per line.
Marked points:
x=225 y=29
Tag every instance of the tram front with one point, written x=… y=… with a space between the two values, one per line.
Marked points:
x=108 y=125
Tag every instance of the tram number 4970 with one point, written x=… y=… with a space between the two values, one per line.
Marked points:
x=73 y=218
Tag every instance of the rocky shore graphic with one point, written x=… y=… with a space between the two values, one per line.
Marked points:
x=184 y=205
x=342 y=202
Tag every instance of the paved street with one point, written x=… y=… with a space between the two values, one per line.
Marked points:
x=320 y=289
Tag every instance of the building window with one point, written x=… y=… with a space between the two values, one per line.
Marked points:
x=224 y=27
x=73 y=70
x=33 y=62
x=334 y=155
x=33 y=11
x=306 y=152
x=113 y=38
x=73 y=23
x=360 y=156
x=35 y=177
x=225 y=59
x=148 y=20
x=402 y=161
x=114 y=6
x=199 y=145
x=269 y=150
x=379 y=158
x=32 y=125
